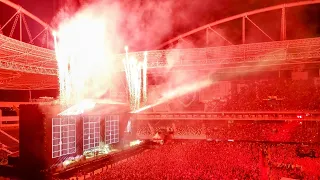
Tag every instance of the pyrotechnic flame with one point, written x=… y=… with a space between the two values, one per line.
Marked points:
x=144 y=69
x=85 y=58
x=79 y=108
x=136 y=75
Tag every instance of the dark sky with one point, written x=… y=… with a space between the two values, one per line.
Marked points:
x=189 y=14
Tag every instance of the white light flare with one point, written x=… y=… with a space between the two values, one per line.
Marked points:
x=180 y=91
x=85 y=57
x=79 y=108
x=144 y=70
x=136 y=75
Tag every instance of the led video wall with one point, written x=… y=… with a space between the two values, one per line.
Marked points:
x=64 y=133
x=63 y=136
x=112 y=129
x=91 y=132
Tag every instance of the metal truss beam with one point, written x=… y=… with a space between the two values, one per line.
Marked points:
x=283 y=34
x=225 y=39
x=22 y=10
x=242 y=15
x=259 y=28
x=19 y=15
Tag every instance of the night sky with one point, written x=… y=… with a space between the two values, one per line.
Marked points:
x=188 y=14
x=302 y=22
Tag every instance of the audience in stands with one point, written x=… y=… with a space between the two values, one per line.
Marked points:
x=278 y=95
x=275 y=131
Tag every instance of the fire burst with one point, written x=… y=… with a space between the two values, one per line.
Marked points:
x=85 y=57
x=136 y=75
x=64 y=74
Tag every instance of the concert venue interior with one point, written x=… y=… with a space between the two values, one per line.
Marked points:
x=161 y=89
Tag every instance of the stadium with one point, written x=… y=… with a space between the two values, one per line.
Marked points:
x=88 y=96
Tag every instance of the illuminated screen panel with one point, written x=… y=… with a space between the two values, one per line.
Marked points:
x=91 y=132
x=112 y=129
x=63 y=136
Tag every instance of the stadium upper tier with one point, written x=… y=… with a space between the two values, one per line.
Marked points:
x=27 y=66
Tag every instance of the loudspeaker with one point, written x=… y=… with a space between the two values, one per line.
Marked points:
x=35 y=138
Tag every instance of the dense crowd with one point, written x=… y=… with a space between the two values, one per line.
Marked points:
x=266 y=131
x=279 y=131
x=276 y=95
x=216 y=160
x=273 y=160
x=264 y=95
x=190 y=160
x=283 y=161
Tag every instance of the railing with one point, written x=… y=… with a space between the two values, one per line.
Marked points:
x=11 y=104
x=9 y=121
x=232 y=116
x=277 y=51
x=13 y=121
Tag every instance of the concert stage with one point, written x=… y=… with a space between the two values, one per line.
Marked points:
x=51 y=143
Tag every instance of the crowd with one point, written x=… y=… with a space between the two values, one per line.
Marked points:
x=283 y=161
x=276 y=131
x=263 y=95
x=193 y=159
x=194 y=129
x=268 y=155
x=276 y=95
x=266 y=131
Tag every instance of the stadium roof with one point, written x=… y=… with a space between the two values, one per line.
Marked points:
x=24 y=65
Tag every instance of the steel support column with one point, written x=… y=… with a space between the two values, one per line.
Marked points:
x=243 y=29
x=47 y=36
x=283 y=24
x=207 y=37
x=20 y=24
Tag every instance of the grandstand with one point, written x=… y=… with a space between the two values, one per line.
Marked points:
x=259 y=119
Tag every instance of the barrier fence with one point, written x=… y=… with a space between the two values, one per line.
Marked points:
x=259 y=116
x=13 y=121
x=9 y=121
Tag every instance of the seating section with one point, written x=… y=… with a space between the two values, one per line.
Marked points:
x=273 y=95
x=275 y=131
x=263 y=95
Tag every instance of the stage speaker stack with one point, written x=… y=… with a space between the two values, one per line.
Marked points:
x=35 y=140
x=35 y=134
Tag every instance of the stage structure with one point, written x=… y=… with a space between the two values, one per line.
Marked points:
x=49 y=141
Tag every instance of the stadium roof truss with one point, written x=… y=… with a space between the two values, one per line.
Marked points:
x=26 y=65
